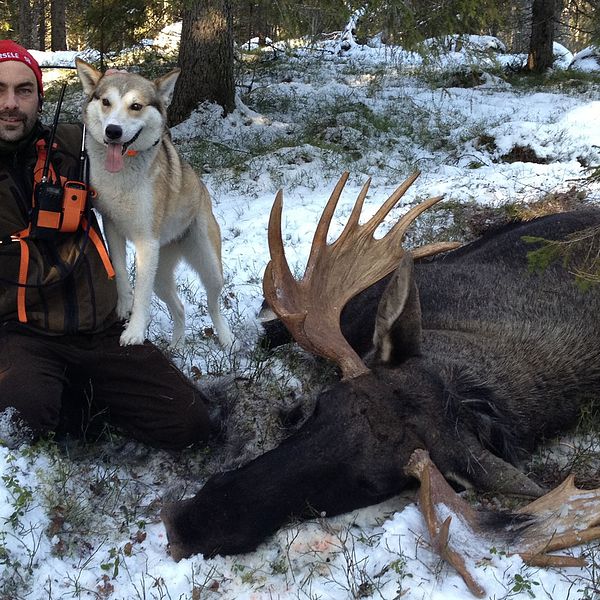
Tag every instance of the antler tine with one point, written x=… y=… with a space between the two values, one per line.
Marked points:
x=433 y=249
x=385 y=208
x=407 y=219
x=280 y=288
x=320 y=237
x=435 y=490
x=352 y=223
x=276 y=249
x=278 y=269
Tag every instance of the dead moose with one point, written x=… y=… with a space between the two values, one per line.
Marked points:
x=473 y=358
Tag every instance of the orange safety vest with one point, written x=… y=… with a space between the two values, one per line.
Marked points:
x=70 y=219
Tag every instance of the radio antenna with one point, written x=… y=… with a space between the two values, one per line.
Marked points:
x=52 y=134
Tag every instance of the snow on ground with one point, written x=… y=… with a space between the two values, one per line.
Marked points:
x=67 y=526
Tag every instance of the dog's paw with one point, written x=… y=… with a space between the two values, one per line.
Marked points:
x=229 y=344
x=132 y=336
x=226 y=340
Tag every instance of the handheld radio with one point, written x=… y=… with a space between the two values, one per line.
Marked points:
x=58 y=208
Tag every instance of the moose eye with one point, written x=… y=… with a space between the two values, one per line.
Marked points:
x=105 y=102
x=136 y=106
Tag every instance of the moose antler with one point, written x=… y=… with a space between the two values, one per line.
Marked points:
x=336 y=272
x=435 y=490
x=564 y=517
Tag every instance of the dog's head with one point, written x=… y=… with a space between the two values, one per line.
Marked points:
x=124 y=112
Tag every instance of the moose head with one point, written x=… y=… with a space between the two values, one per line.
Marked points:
x=473 y=359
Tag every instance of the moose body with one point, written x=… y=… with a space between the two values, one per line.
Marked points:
x=483 y=357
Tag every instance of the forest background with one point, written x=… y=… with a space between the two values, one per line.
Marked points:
x=213 y=28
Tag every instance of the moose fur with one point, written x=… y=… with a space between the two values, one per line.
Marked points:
x=475 y=359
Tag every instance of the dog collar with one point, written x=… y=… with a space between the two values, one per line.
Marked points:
x=128 y=152
x=127 y=144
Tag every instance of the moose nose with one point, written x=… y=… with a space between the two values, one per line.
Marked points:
x=113 y=132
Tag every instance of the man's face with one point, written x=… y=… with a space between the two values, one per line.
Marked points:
x=19 y=100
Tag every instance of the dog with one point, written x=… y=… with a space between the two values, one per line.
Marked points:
x=147 y=194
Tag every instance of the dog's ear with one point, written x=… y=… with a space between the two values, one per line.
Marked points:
x=88 y=75
x=166 y=84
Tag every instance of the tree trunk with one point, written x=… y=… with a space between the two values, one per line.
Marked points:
x=540 y=57
x=59 y=29
x=205 y=58
x=39 y=23
x=26 y=37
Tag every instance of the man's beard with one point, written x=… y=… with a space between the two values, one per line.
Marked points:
x=15 y=130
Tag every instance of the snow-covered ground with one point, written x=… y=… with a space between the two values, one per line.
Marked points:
x=82 y=523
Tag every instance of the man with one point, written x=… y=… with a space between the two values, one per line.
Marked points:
x=59 y=335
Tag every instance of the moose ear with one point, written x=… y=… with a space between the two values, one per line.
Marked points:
x=88 y=75
x=166 y=85
x=398 y=322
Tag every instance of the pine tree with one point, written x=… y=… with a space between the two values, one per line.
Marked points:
x=543 y=18
x=205 y=58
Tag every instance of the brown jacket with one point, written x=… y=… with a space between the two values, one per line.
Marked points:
x=68 y=290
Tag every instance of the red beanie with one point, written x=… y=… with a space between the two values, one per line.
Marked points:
x=10 y=50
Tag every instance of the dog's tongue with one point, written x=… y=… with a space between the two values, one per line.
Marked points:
x=114 y=158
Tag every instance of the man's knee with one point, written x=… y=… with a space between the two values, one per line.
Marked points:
x=181 y=424
x=28 y=389
x=37 y=408
x=198 y=426
x=190 y=425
